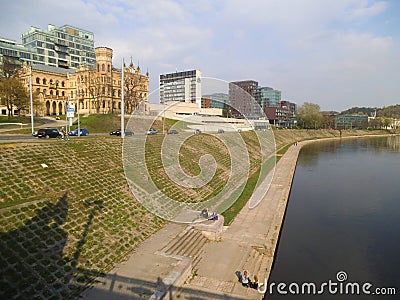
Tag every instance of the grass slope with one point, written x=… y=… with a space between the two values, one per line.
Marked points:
x=63 y=225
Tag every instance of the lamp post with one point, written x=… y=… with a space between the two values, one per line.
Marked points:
x=31 y=99
x=122 y=101
x=77 y=106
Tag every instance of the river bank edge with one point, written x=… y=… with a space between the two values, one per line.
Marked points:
x=281 y=213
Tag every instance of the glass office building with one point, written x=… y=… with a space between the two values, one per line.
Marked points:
x=63 y=47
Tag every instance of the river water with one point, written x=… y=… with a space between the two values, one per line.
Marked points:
x=343 y=215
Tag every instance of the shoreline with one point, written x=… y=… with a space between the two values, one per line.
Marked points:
x=164 y=265
x=276 y=197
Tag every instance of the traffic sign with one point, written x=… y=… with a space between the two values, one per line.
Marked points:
x=70 y=112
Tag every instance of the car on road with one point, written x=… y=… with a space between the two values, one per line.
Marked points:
x=83 y=132
x=48 y=133
x=172 y=131
x=221 y=131
x=117 y=132
x=152 y=131
x=197 y=131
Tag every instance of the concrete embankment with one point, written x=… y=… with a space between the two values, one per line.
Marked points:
x=248 y=243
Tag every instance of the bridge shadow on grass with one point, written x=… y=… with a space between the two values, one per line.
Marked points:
x=33 y=265
x=31 y=257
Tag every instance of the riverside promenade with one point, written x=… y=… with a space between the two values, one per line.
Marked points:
x=178 y=262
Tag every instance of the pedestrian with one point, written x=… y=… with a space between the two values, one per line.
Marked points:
x=245 y=278
x=255 y=283
x=204 y=213
x=214 y=216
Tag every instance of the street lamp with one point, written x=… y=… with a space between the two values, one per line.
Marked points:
x=77 y=104
x=79 y=95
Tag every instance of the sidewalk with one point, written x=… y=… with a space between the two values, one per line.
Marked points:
x=249 y=243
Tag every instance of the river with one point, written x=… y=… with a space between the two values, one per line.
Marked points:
x=343 y=217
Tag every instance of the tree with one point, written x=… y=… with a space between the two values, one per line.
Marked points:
x=133 y=88
x=309 y=115
x=8 y=67
x=13 y=95
x=97 y=94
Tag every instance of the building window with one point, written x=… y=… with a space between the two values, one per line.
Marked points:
x=102 y=67
x=108 y=68
x=37 y=80
x=51 y=81
x=98 y=68
x=63 y=93
x=62 y=83
x=44 y=80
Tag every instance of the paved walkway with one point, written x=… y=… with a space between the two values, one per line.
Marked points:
x=249 y=242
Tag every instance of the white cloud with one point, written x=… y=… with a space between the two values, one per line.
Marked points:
x=367 y=11
x=310 y=49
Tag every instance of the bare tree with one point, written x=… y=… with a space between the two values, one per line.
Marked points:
x=97 y=92
x=13 y=94
x=134 y=91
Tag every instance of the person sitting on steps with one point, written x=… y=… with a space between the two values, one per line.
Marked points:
x=214 y=216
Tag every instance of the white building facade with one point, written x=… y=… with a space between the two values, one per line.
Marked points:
x=181 y=86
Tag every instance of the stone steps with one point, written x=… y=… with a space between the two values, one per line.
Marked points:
x=189 y=244
x=256 y=263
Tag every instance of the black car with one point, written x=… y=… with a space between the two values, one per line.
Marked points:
x=118 y=132
x=48 y=133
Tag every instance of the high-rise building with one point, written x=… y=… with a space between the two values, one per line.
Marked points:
x=63 y=47
x=267 y=97
x=181 y=86
x=241 y=98
x=282 y=115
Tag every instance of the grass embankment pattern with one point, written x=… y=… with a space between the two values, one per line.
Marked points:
x=63 y=225
x=74 y=221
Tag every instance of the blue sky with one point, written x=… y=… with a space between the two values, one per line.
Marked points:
x=338 y=53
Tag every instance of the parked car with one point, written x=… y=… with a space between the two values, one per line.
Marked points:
x=83 y=132
x=152 y=131
x=35 y=133
x=128 y=132
x=48 y=133
x=117 y=132
x=172 y=131
x=197 y=131
x=221 y=131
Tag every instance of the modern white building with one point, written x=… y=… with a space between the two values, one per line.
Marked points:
x=181 y=86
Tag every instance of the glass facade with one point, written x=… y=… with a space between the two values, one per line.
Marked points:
x=267 y=97
x=65 y=47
